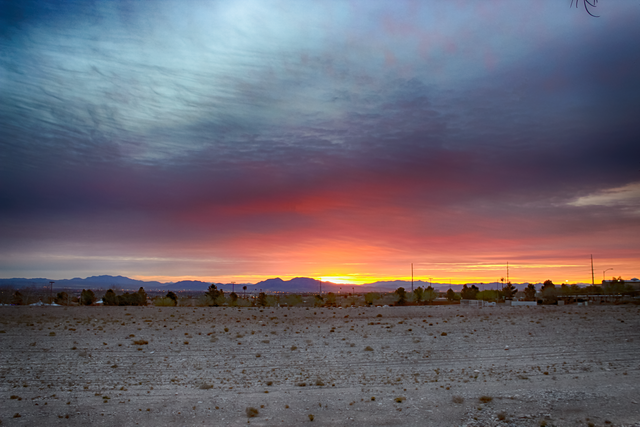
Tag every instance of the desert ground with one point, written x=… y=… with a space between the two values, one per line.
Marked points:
x=407 y=366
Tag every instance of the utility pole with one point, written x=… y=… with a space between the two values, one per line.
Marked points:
x=51 y=291
x=411 y=277
x=593 y=282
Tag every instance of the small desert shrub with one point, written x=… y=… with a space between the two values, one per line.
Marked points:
x=502 y=416
x=368 y=348
x=251 y=412
x=206 y=386
x=485 y=399
x=310 y=417
x=319 y=382
x=164 y=302
x=293 y=347
x=400 y=399
x=373 y=398
x=141 y=342
x=444 y=334
x=457 y=399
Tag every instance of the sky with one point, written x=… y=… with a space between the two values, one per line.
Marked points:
x=240 y=140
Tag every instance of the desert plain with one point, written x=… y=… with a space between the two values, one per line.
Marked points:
x=361 y=366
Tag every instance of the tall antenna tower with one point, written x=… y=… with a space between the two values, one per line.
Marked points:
x=507 y=272
x=411 y=277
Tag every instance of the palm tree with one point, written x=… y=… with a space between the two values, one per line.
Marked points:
x=244 y=288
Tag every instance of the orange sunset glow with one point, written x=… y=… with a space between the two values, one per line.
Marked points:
x=240 y=141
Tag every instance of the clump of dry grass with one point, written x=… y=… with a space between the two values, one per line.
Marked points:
x=141 y=342
x=457 y=399
x=251 y=412
x=485 y=399
x=368 y=348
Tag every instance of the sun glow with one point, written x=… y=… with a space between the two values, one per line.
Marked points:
x=341 y=280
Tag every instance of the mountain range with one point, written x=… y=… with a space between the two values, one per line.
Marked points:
x=297 y=284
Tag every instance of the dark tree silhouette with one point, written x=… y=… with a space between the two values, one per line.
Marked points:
x=17 y=298
x=430 y=294
x=548 y=291
x=142 y=296
x=418 y=294
x=173 y=297
x=215 y=295
x=451 y=295
x=530 y=292
x=233 y=299
x=110 y=298
x=62 y=298
x=402 y=295
x=548 y=284
x=509 y=290
x=469 y=293
x=87 y=297
x=262 y=299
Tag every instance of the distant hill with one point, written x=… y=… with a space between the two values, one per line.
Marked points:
x=297 y=284
x=94 y=282
x=188 y=285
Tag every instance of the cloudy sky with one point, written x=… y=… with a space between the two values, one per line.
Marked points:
x=241 y=140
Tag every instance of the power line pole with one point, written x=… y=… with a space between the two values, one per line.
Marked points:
x=51 y=291
x=411 y=277
x=592 y=278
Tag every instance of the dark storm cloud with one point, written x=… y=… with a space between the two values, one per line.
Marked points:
x=121 y=121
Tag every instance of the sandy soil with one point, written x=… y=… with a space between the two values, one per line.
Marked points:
x=563 y=366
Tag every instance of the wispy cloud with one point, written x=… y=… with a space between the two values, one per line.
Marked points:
x=281 y=136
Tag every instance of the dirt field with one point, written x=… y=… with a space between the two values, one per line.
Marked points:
x=432 y=365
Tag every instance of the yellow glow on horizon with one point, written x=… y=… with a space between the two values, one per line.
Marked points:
x=341 y=280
